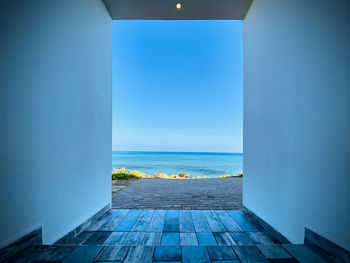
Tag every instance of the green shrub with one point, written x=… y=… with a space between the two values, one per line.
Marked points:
x=123 y=174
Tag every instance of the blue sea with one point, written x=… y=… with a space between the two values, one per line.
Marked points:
x=196 y=164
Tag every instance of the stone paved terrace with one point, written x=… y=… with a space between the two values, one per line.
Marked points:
x=202 y=194
x=150 y=236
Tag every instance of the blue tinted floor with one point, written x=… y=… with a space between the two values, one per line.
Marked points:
x=172 y=236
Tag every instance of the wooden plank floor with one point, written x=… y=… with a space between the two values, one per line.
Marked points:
x=171 y=236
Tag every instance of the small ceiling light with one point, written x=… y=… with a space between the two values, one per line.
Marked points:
x=178 y=6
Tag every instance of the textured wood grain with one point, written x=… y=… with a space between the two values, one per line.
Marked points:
x=171 y=221
x=97 y=238
x=116 y=238
x=199 y=221
x=195 y=254
x=261 y=238
x=167 y=253
x=128 y=221
x=249 y=254
x=214 y=222
x=83 y=254
x=157 y=222
x=186 y=221
x=221 y=253
x=188 y=239
x=134 y=238
x=112 y=253
x=274 y=251
x=170 y=239
x=114 y=220
x=206 y=239
x=228 y=221
x=241 y=238
x=242 y=220
x=143 y=221
x=152 y=239
x=139 y=254
x=224 y=239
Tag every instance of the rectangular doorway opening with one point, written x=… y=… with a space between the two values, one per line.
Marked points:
x=177 y=114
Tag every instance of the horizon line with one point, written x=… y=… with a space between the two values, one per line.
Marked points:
x=178 y=152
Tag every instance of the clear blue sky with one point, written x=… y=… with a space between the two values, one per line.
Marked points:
x=177 y=85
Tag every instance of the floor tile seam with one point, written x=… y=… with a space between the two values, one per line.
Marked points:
x=152 y=219
x=140 y=216
x=209 y=224
x=215 y=211
x=135 y=219
x=121 y=218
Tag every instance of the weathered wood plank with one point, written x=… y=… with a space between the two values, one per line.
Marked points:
x=264 y=226
x=116 y=238
x=186 y=221
x=34 y=237
x=82 y=237
x=147 y=255
x=221 y=253
x=303 y=254
x=195 y=254
x=214 y=221
x=98 y=238
x=188 y=239
x=143 y=221
x=199 y=221
x=171 y=221
x=157 y=222
x=138 y=254
x=206 y=239
x=249 y=254
x=83 y=254
x=152 y=239
x=228 y=221
x=116 y=217
x=128 y=221
x=241 y=238
x=95 y=225
x=170 y=239
x=47 y=253
x=112 y=253
x=274 y=251
x=167 y=253
x=134 y=238
x=261 y=238
x=226 y=261
x=224 y=239
x=242 y=220
x=32 y=253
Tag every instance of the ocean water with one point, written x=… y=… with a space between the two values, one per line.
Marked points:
x=196 y=164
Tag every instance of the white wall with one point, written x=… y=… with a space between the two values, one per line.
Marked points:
x=297 y=116
x=55 y=114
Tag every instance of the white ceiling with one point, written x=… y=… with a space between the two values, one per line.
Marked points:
x=166 y=9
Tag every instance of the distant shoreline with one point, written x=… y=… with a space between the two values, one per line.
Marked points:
x=197 y=164
x=124 y=174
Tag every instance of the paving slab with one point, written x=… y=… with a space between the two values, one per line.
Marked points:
x=191 y=194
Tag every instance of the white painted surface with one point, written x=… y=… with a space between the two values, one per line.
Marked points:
x=296 y=116
x=55 y=113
